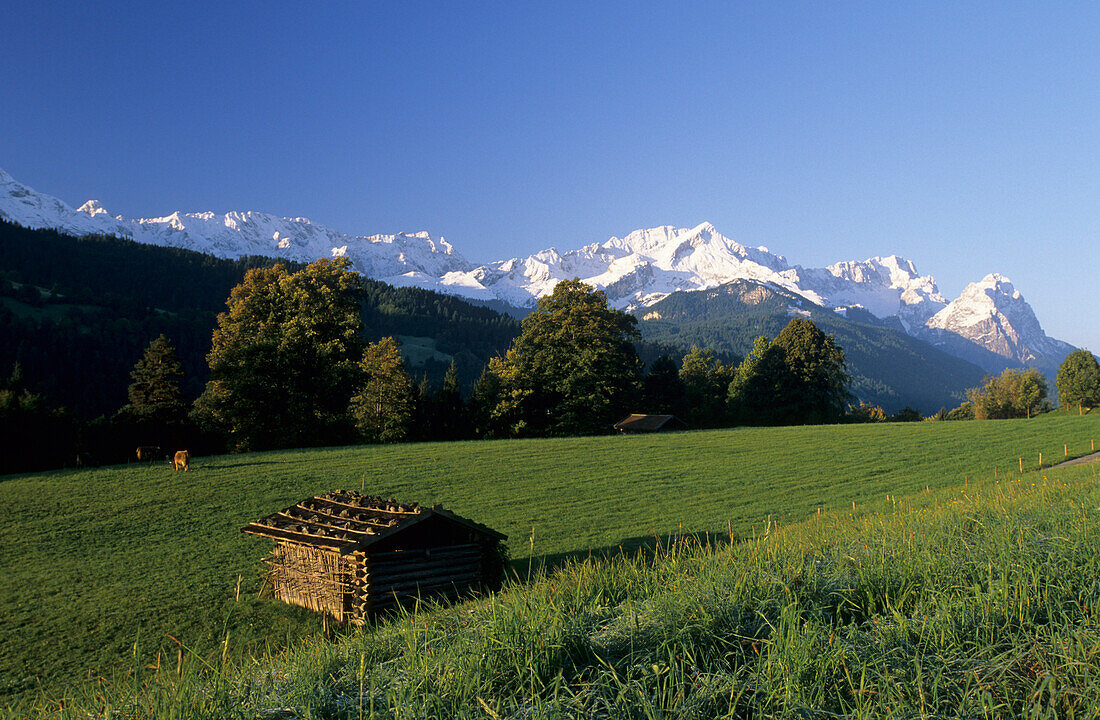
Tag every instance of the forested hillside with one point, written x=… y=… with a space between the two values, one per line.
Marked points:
x=888 y=367
x=76 y=314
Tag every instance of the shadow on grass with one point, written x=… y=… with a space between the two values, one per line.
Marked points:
x=647 y=546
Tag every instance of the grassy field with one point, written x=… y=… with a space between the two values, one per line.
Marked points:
x=97 y=562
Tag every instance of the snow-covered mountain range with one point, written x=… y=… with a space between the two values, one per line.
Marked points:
x=989 y=323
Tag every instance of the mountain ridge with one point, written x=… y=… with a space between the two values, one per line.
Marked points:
x=989 y=323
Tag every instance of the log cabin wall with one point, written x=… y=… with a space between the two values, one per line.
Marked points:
x=436 y=559
x=401 y=577
x=310 y=577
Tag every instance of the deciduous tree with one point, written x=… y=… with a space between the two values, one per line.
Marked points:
x=706 y=381
x=1012 y=394
x=573 y=369
x=1078 y=381
x=383 y=406
x=800 y=377
x=285 y=357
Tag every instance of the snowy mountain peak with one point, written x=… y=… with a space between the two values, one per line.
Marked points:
x=236 y=234
x=993 y=315
x=93 y=208
x=637 y=269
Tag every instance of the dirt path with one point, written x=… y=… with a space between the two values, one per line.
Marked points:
x=1080 y=461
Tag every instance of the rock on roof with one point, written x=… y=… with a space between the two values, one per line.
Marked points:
x=346 y=520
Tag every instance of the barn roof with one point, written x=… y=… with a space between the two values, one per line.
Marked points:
x=649 y=423
x=346 y=520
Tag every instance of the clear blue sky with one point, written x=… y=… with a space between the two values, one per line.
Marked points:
x=964 y=136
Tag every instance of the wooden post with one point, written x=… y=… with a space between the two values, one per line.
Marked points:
x=994 y=472
x=1065 y=449
x=1021 y=464
x=1040 y=461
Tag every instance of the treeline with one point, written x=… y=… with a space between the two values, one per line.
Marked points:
x=310 y=355
x=288 y=369
x=888 y=367
x=1018 y=393
x=76 y=313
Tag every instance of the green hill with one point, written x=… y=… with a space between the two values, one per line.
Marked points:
x=99 y=560
x=78 y=312
x=888 y=367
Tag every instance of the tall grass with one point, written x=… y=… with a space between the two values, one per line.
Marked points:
x=976 y=601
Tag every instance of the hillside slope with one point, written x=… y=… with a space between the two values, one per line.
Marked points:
x=100 y=557
x=888 y=367
x=100 y=300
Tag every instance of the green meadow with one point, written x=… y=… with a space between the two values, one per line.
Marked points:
x=137 y=566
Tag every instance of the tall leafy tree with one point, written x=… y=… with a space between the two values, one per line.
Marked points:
x=156 y=387
x=572 y=370
x=285 y=357
x=383 y=406
x=756 y=384
x=815 y=388
x=1078 y=381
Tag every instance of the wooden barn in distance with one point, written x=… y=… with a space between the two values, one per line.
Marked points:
x=350 y=555
x=638 y=423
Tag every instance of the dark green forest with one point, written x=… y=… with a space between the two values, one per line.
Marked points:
x=77 y=313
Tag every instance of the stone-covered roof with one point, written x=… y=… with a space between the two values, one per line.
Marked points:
x=346 y=520
x=650 y=423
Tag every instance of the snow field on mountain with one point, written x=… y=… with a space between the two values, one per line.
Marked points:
x=636 y=270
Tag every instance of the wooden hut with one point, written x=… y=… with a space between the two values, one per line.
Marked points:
x=650 y=423
x=350 y=555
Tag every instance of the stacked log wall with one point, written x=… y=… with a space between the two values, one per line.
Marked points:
x=400 y=577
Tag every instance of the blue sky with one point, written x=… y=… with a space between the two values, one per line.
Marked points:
x=963 y=136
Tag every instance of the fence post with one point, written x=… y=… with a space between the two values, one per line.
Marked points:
x=1021 y=464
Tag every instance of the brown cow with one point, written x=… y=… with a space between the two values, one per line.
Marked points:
x=147 y=453
x=182 y=461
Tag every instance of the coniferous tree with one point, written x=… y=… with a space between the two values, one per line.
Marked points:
x=384 y=404
x=450 y=412
x=484 y=400
x=33 y=435
x=156 y=388
x=663 y=390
